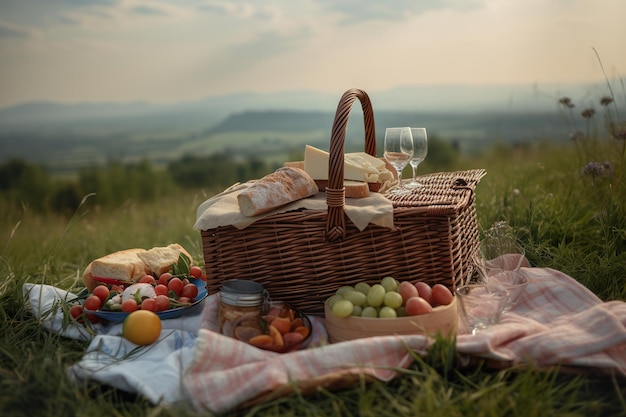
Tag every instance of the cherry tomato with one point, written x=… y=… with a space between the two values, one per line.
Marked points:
x=161 y=289
x=92 y=303
x=129 y=305
x=102 y=292
x=176 y=285
x=203 y=277
x=190 y=291
x=162 y=302
x=184 y=300
x=76 y=311
x=148 y=279
x=164 y=278
x=195 y=271
x=149 y=304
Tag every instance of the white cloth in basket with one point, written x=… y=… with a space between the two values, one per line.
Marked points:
x=223 y=210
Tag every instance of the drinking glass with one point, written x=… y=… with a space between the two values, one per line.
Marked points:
x=514 y=282
x=497 y=254
x=398 y=152
x=481 y=305
x=420 y=150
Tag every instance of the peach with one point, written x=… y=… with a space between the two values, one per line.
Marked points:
x=262 y=340
x=282 y=324
x=292 y=338
x=297 y=322
x=304 y=331
x=276 y=336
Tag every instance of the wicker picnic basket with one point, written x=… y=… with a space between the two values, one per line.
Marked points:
x=302 y=257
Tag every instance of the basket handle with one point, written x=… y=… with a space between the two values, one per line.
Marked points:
x=335 y=191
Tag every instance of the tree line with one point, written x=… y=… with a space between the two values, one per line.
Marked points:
x=32 y=185
x=23 y=183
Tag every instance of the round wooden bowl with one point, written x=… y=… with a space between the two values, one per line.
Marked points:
x=441 y=321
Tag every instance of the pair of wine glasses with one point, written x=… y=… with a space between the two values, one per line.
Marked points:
x=403 y=146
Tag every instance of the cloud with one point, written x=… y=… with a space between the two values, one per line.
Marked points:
x=148 y=11
x=81 y=3
x=13 y=31
x=365 y=10
x=241 y=9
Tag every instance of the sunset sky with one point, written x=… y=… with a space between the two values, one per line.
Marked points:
x=165 y=51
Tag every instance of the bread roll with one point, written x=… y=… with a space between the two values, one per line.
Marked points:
x=274 y=190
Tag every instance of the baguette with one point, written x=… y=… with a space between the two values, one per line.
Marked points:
x=283 y=186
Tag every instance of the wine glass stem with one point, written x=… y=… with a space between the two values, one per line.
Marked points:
x=414 y=168
x=399 y=178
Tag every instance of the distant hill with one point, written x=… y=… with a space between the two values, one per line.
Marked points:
x=66 y=137
x=424 y=98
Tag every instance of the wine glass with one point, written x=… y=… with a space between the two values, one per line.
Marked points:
x=398 y=152
x=420 y=150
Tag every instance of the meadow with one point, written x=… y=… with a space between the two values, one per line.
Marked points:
x=567 y=213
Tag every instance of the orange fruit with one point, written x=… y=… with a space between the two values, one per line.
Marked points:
x=142 y=327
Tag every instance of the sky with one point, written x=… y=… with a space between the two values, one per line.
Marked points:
x=164 y=51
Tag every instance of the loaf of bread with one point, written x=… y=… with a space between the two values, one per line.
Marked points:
x=283 y=186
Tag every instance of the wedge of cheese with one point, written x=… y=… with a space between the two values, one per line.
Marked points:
x=358 y=166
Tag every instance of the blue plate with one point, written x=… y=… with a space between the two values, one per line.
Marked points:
x=119 y=316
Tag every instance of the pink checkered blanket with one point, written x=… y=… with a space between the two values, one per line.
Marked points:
x=556 y=322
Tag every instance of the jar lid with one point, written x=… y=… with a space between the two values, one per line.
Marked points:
x=242 y=293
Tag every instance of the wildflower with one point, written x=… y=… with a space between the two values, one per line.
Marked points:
x=588 y=113
x=606 y=100
x=598 y=169
x=618 y=131
x=566 y=102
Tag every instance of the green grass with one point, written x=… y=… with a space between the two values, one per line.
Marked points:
x=563 y=220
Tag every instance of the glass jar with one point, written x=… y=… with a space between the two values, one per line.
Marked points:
x=242 y=304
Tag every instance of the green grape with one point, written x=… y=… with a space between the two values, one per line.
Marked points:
x=343 y=308
x=376 y=295
x=393 y=299
x=369 y=311
x=389 y=283
x=333 y=299
x=387 y=313
x=357 y=310
x=344 y=289
x=363 y=287
x=356 y=297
